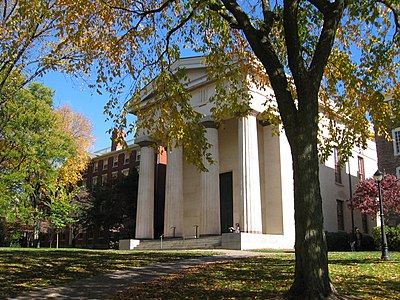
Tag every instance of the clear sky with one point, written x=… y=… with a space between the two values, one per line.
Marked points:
x=75 y=93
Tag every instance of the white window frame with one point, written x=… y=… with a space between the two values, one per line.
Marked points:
x=95 y=166
x=115 y=161
x=105 y=164
x=125 y=172
x=126 y=158
x=340 y=215
x=94 y=180
x=398 y=172
x=338 y=167
x=396 y=141
x=104 y=179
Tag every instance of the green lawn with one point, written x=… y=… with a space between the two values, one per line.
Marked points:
x=22 y=269
x=361 y=274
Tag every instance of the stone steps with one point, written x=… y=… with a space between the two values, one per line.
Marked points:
x=210 y=242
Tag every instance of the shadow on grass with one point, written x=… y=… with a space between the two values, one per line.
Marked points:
x=365 y=274
x=250 y=278
x=25 y=269
x=269 y=277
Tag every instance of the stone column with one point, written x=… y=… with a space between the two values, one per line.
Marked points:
x=273 y=214
x=145 y=201
x=173 y=213
x=210 y=223
x=249 y=175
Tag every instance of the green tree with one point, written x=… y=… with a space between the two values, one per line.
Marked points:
x=38 y=144
x=334 y=57
x=60 y=211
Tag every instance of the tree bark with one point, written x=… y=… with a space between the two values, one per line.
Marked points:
x=311 y=269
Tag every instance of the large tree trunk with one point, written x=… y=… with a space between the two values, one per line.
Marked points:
x=311 y=270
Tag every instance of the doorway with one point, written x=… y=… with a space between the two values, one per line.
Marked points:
x=226 y=201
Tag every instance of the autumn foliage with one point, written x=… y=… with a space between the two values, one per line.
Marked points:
x=365 y=198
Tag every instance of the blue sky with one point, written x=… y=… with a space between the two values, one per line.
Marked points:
x=75 y=93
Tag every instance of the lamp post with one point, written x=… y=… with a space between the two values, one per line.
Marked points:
x=385 y=253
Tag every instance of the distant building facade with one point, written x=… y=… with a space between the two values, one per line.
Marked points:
x=105 y=166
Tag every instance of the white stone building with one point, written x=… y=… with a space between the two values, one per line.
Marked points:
x=251 y=182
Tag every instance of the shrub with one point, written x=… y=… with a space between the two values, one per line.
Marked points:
x=392 y=236
x=337 y=241
x=368 y=243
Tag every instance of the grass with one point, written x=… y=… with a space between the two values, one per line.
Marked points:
x=23 y=269
x=361 y=274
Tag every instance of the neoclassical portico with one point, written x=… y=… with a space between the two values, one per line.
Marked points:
x=201 y=205
x=231 y=191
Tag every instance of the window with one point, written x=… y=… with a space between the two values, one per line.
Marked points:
x=95 y=166
x=103 y=179
x=125 y=172
x=339 y=213
x=338 y=168
x=105 y=164
x=115 y=161
x=126 y=160
x=114 y=175
x=364 y=220
x=361 y=170
x=398 y=172
x=94 y=180
x=396 y=141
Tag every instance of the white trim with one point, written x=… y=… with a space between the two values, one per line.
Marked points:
x=115 y=161
x=398 y=172
x=396 y=141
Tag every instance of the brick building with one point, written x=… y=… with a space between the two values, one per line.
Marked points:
x=389 y=151
x=105 y=166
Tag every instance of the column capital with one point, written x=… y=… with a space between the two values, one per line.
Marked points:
x=264 y=123
x=144 y=141
x=209 y=122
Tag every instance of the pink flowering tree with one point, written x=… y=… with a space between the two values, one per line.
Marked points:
x=365 y=198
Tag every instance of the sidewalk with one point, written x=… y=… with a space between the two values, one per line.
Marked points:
x=104 y=286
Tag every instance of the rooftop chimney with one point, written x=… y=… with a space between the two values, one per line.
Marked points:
x=117 y=139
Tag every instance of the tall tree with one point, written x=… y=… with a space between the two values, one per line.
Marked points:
x=319 y=56
x=38 y=145
x=79 y=129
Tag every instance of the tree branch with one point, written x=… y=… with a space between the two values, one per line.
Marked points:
x=395 y=14
x=332 y=17
x=295 y=59
x=227 y=17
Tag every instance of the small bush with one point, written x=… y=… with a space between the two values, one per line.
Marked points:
x=368 y=243
x=337 y=241
x=392 y=236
